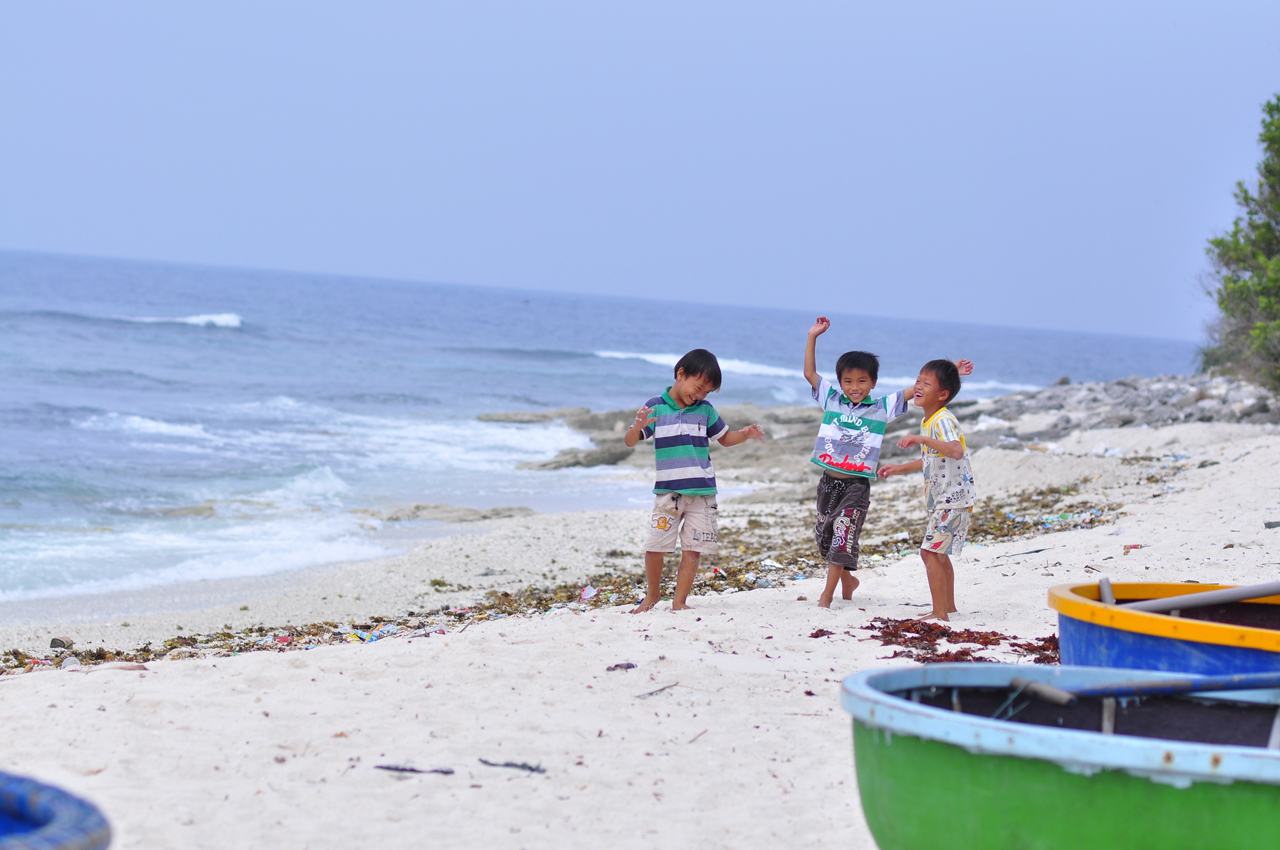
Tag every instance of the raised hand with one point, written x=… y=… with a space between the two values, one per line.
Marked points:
x=820 y=326
x=643 y=419
x=910 y=440
x=753 y=431
x=965 y=367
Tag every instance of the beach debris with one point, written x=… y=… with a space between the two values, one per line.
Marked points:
x=1271 y=524
x=370 y=636
x=658 y=691
x=517 y=765
x=61 y=643
x=919 y=640
x=1020 y=554
x=1129 y=547
x=810 y=694
x=625 y=665
x=401 y=768
x=821 y=633
x=588 y=593
x=69 y=662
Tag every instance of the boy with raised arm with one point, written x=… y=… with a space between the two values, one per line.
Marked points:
x=682 y=425
x=950 y=493
x=847 y=449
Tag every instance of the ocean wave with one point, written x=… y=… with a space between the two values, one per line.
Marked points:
x=727 y=365
x=207 y=320
x=130 y=423
x=1000 y=385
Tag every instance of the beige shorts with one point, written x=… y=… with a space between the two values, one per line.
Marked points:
x=689 y=519
x=947 y=530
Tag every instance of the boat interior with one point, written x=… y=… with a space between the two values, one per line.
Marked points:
x=1171 y=718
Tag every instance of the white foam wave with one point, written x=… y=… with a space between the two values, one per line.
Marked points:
x=142 y=425
x=215 y=320
x=730 y=366
x=1000 y=385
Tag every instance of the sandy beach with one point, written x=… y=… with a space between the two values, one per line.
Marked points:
x=727 y=730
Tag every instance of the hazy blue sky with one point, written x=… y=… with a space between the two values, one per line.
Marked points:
x=1050 y=165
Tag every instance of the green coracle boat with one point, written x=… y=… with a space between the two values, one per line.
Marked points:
x=959 y=755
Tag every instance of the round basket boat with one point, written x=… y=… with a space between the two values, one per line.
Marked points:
x=1171 y=772
x=1240 y=637
x=38 y=817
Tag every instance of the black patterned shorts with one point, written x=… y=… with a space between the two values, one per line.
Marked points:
x=842 y=508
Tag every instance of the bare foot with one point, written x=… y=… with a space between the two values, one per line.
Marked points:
x=824 y=601
x=646 y=605
x=936 y=615
x=953 y=610
x=680 y=606
x=847 y=592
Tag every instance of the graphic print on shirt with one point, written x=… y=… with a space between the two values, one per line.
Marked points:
x=948 y=481
x=850 y=435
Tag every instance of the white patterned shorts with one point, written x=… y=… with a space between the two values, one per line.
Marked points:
x=947 y=530
x=689 y=519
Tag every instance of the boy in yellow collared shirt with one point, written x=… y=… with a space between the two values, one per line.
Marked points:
x=950 y=493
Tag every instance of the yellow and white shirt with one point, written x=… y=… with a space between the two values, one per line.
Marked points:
x=948 y=481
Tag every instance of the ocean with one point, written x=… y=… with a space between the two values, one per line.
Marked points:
x=163 y=423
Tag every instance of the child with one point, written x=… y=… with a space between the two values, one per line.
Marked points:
x=949 y=488
x=682 y=424
x=847 y=449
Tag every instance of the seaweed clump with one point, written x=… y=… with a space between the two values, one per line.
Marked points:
x=919 y=641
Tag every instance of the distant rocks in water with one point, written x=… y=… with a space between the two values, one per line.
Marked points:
x=440 y=513
x=605 y=430
x=604 y=456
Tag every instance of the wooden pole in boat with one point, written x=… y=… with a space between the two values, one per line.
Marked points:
x=1205 y=597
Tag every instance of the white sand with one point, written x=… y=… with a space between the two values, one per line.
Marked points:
x=278 y=749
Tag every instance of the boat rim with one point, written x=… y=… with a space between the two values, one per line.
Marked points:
x=1069 y=601
x=866 y=696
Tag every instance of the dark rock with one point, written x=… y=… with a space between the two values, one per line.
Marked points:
x=605 y=456
x=527 y=416
x=1062 y=382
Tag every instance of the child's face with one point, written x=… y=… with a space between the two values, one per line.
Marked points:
x=928 y=393
x=856 y=384
x=688 y=390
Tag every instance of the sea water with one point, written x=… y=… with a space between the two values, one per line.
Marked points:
x=164 y=423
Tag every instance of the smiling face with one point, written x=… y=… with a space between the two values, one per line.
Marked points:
x=856 y=384
x=928 y=392
x=688 y=390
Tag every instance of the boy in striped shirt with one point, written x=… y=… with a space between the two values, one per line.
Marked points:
x=950 y=493
x=682 y=425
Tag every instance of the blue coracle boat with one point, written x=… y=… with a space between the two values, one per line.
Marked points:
x=39 y=817
x=1232 y=638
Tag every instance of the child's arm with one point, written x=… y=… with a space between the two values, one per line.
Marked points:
x=636 y=431
x=900 y=468
x=733 y=438
x=820 y=326
x=965 y=367
x=950 y=448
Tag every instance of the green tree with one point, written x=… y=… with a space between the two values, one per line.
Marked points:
x=1245 y=274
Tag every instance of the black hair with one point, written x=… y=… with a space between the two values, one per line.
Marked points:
x=864 y=360
x=947 y=374
x=700 y=363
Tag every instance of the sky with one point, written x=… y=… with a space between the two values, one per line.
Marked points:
x=1050 y=165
